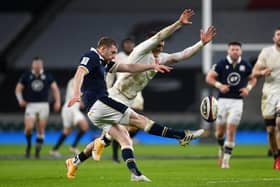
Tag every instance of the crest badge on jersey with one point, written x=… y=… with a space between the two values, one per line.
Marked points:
x=242 y=68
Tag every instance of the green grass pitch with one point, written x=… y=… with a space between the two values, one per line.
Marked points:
x=166 y=165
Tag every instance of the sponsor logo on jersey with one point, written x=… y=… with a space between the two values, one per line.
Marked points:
x=233 y=79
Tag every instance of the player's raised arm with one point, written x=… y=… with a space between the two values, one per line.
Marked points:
x=205 y=37
x=56 y=94
x=78 y=80
x=134 y=68
x=149 y=44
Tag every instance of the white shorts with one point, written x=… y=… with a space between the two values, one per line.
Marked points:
x=108 y=112
x=229 y=111
x=71 y=116
x=37 y=109
x=269 y=105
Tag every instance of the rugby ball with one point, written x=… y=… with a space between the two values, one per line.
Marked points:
x=209 y=108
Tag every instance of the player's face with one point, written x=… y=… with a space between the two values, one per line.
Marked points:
x=159 y=47
x=37 y=66
x=234 y=51
x=276 y=38
x=109 y=53
x=128 y=46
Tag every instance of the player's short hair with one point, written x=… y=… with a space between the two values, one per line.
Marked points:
x=37 y=58
x=234 y=43
x=277 y=29
x=106 y=41
x=128 y=39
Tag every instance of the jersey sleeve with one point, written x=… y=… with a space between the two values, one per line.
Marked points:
x=262 y=58
x=112 y=67
x=50 y=78
x=23 y=79
x=87 y=63
x=217 y=67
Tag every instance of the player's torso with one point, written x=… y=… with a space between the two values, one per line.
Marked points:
x=36 y=88
x=234 y=75
x=130 y=84
x=272 y=82
x=94 y=85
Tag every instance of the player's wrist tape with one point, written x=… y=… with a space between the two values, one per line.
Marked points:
x=217 y=84
x=249 y=87
x=19 y=97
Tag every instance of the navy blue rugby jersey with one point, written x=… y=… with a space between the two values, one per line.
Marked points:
x=36 y=88
x=94 y=85
x=234 y=76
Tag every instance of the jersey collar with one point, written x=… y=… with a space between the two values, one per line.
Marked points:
x=230 y=60
x=94 y=50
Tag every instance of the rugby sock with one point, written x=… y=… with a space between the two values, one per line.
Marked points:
x=39 y=143
x=228 y=147
x=115 y=147
x=60 y=141
x=28 y=147
x=78 y=159
x=107 y=139
x=129 y=159
x=221 y=141
x=159 y=130
x=78 y=137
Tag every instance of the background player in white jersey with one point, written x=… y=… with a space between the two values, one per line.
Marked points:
x=268 y=65
x=127 y=87
x=70 y=117
x=32 y=91
x=127 y=46
x=232 y=77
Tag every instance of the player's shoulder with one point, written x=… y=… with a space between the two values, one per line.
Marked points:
x=91 y=54
x=268 y=49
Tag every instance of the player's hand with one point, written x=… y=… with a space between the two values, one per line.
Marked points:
x=207 y=36
x=56 y=106
x=266 y=72
x=224 y=88
x=73 y=100
x=162 y=68
x=22 y=104
x=244 y=92
x=185 y=17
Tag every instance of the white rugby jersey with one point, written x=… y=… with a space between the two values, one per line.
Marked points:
x=122 y=57
x=270 y=57
x=129 y=84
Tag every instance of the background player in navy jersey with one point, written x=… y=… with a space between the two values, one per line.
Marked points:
x=107 y=113
x=32 y=92
x=232 y=77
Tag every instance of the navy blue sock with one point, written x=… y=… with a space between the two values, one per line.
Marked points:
x=78 y=137
x=59 y=142
x=128 y=157
x=160 y=130
x=221 y=141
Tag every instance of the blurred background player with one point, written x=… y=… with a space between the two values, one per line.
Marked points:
x=70 y=117
x=127 y=87
x=127 y=46
x=232 y=77
x=32 y=92
x=268 y=65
